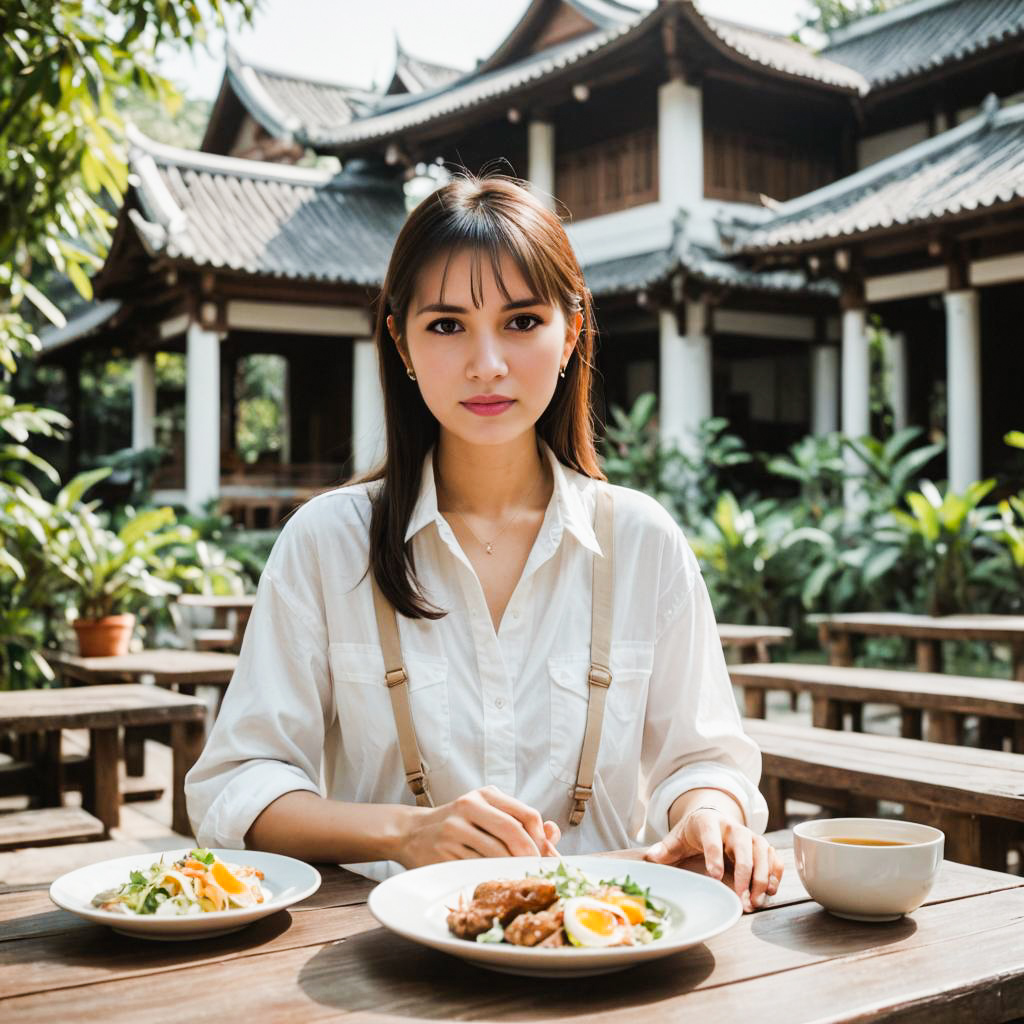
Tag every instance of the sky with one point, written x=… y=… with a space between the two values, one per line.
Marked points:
x=353 y=41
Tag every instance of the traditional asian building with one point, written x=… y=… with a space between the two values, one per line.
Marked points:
x=740 y=205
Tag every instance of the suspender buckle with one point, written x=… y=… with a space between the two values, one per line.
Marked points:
x=582 y=793
x=599 y=676
x=415 y=779
x=395 y=677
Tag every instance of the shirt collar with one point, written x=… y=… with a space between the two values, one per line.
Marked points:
x=568 y=505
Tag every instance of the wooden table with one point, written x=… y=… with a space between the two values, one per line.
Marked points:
x=751 y=642
x=222 y=605
x=959 y=957
x=926 y=631
x=179 y=670
x=103 y=710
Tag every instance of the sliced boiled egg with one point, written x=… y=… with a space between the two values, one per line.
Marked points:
x=590 y=922
x=634 y=907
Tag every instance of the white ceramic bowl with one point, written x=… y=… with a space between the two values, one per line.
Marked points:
x=868 y=883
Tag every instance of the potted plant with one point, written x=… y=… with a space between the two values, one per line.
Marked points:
x=110 y=575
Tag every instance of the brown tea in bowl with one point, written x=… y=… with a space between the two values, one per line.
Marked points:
x=864 y=842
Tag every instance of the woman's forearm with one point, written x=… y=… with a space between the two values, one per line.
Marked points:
x=693 y=798
x=306 y=826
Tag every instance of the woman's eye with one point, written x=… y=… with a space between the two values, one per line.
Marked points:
x=444 y=326
x=525 y=322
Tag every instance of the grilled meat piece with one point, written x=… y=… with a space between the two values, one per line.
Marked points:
x=503 y=899
x=536 y=929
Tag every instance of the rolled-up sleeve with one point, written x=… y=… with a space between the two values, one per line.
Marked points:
x=268 y=739
x=693 y=736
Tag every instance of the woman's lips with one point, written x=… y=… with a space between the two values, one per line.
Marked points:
x=489 y=408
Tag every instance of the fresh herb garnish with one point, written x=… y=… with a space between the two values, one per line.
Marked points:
x=203 y=856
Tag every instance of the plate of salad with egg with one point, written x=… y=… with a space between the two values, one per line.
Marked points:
x=555 y=917
x=185 y=894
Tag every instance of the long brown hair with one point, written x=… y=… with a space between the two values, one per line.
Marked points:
x=487 y=215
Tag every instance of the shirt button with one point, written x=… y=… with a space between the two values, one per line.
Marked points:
x=499 y=703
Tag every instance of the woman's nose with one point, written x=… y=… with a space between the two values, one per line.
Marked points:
x=487 y=359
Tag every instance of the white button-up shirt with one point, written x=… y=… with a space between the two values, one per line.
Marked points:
x=308 y=707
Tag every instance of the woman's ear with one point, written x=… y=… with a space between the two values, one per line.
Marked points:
x=572 y=336
x=392 y=330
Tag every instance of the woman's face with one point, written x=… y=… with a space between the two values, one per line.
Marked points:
x=512 y=349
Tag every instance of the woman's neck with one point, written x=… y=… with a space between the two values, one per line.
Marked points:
x=490 y=481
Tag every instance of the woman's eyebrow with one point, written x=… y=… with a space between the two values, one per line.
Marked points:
x=441 y=307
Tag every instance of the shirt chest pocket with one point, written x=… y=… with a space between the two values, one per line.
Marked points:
x=365 y=714
x=569 y=688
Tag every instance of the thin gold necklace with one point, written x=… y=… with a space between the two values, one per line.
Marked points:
x=488 y=546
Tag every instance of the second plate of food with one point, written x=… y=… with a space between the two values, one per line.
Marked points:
x=185 y=894
x=555 y=917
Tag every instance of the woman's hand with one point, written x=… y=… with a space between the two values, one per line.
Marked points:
x=481 y=823
x=757 y=867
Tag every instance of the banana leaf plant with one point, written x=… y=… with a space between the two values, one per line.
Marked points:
x=948 y=536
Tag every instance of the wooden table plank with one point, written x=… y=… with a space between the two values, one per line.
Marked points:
x=95 y=707
x=964 y=779
x=166 y=666
x=794 y=964
x=999 y=628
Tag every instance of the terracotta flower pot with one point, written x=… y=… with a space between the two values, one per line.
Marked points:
x=98 y=638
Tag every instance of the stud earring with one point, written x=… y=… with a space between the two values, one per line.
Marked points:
x=561 y=373
x=409 y=373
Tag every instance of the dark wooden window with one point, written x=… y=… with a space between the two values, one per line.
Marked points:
x=742 y=167
x=614 y=174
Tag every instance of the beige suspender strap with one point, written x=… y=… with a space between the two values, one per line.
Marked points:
x=398 y=686
x=600 y=654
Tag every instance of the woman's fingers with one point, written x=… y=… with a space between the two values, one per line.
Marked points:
x=709 y=830
x=526 y=816
x=763 y=861
x=481 y=811
x=741 y=850
x=775 y=876
x=552 y=834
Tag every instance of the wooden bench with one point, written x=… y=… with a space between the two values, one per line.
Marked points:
x=836 y=691
x=47 y=827
x=975 y=796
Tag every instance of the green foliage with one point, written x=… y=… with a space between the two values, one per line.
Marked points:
x=64 y=66
x=944 y=536
x=751 y=569
x=828 y=15
x=686 y=483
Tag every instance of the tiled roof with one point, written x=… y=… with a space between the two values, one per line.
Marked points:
x=418 y=75
x=923 y=34
x=400 y=113
x=92 y=319
x=638 y=273
x=977 y=166
x=780 y=53
x=301 y=108
x=264 y=219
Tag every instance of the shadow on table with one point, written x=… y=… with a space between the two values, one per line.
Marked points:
x=810 y=929
x=378 y=972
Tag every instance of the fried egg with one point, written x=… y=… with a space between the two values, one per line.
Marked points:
x=590 y=922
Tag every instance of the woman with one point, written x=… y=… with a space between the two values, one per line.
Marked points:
x=435 y=640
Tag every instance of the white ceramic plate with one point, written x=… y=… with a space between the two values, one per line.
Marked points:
x=414 y=904
x=285 y=880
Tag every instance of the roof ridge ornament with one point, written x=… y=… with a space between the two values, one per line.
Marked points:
x=990 y=106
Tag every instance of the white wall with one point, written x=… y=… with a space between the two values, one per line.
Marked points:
x=877 y=147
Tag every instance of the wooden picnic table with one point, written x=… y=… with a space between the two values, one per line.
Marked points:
x=751 y=642
x=179 y=670
x=958 y=957
x=926 y=632
x=103 y=710
x=222 y=605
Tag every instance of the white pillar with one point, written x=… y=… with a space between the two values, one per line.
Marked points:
x=369 y=440
x=856 y=376
x=685 y=385
x=541 y=146
x=680 y=146
x=963 y=377
x=824 y=389
x=896 y=346
x=143 y=401
x=202 y=417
